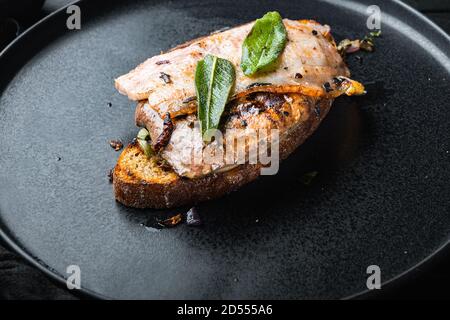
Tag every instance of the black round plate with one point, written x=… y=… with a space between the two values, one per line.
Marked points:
x=381 y=196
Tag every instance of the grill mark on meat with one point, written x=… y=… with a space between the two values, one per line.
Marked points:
x=257 y=102
x=272 y=100
x=258 y=84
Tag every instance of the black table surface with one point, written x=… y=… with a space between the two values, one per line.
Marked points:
x=18 y=280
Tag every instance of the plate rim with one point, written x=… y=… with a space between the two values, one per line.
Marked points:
x=391 y=283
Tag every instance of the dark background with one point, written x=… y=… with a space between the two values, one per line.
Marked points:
x=18 y=280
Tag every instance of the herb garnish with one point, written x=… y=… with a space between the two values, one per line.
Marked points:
x=264 y=44
x=308 y=177
x=214 y=79
x=143 y=140
x=366 y=44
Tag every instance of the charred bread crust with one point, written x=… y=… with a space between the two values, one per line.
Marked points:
x=134 y=190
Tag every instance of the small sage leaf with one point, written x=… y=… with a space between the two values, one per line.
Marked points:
x=214 y=80
x=264 y=44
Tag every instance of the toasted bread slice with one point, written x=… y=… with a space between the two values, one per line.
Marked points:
x=142 y=182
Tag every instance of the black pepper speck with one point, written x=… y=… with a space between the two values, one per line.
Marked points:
x=327 y=87
x=317 y=111
x=165 y=77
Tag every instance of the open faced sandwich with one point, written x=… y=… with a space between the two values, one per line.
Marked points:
x=209 y=107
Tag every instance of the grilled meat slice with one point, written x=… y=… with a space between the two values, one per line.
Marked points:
x=256 y=114
x=309 y=60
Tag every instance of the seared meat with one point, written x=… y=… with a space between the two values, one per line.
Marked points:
x=308 y=61
x=257 y=113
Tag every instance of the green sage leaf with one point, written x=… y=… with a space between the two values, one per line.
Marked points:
x=143 y=138
x=264 y=44
x=214 y=80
